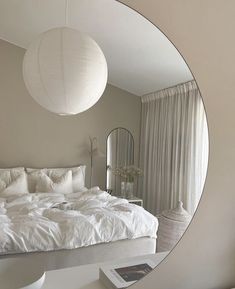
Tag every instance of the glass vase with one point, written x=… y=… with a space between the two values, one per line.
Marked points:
x=127 y=189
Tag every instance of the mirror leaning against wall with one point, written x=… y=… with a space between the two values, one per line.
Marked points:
x=118 y=182
x=120 y=155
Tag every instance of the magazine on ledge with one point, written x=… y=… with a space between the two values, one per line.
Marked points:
x=122 y=275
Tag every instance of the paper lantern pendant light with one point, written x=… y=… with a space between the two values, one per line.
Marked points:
x=65 y=71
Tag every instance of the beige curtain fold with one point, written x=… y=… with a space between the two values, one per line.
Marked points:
x=173 y=148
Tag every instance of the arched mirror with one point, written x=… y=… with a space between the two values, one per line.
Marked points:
x=77 y=204
x=119 y=155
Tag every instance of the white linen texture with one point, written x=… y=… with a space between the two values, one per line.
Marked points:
x=53 y=221
x=78 y=176
x=59 y=184
x=13 y=184
x=8 y=175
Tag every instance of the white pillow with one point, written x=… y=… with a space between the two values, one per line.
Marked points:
x=61 y=184
x=18 y=186
x=32 y=177
x=78 y=176
x=5 y=179
x=8 y=175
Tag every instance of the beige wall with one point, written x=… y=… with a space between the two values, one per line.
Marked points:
x=32 y=136
x=203 y=31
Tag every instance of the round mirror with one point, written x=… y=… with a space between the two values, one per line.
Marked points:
x=64 y=200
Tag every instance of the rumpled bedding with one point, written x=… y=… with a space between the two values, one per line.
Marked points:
x=51 y=221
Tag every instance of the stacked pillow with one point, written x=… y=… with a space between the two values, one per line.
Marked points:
x=45 y=184
x=19 y=181
x=60 y=180
x=13 y=182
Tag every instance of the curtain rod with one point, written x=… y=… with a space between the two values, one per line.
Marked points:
x=173 y=86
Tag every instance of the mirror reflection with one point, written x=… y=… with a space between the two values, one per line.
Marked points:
x=120 y=155
x=173 y=154
x=120 y=180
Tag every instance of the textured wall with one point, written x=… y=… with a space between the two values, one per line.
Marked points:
x=203 y=31
x=32 y=136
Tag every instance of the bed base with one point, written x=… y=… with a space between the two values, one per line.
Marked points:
x=53 y=260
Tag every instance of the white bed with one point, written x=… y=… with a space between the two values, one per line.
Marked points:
x=97 y=225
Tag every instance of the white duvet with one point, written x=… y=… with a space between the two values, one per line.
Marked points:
x=51 y=221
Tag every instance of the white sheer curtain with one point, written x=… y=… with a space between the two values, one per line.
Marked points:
x=173 y=148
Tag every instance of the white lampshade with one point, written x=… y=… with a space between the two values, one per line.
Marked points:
x=65 y=71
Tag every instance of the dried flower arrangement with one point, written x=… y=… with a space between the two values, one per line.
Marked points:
x=127 y=173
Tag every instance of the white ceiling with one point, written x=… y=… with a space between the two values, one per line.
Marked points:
x=140 y=58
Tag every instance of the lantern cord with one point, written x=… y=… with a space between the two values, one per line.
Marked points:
x=66 y=12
